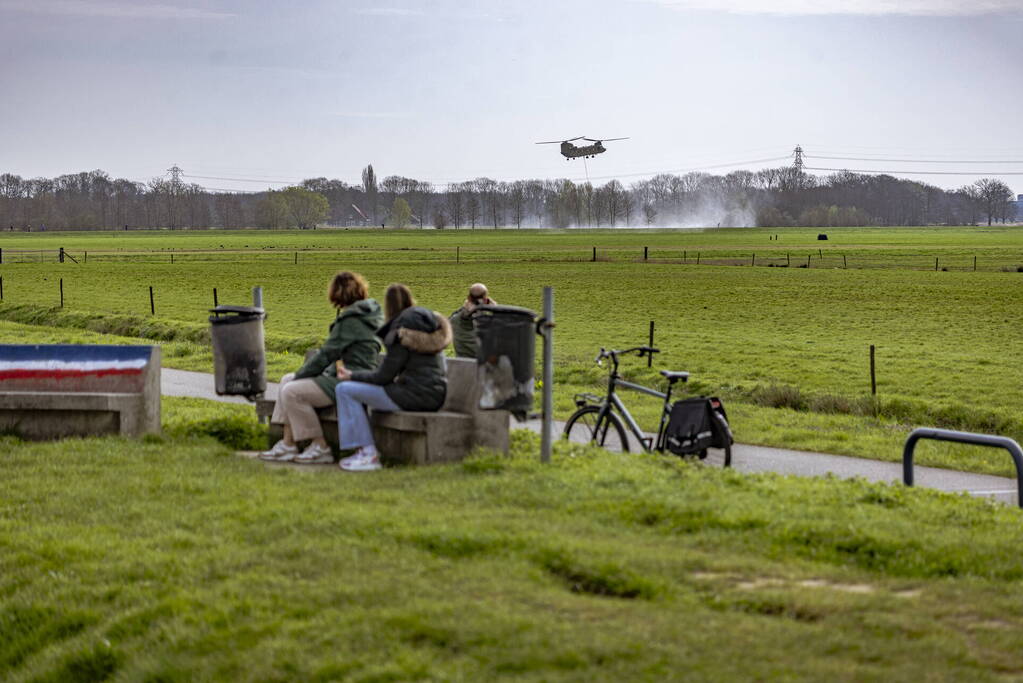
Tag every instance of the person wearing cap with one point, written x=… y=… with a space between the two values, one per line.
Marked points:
x=462 y=326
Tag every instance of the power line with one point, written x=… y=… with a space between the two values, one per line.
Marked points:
x=904 y=172
x=241 y=180
x=920 y=161
x=687 y=170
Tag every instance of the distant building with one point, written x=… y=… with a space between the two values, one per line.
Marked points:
x=1019 y=207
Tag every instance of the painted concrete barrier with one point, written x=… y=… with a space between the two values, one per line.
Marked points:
x=52 y=391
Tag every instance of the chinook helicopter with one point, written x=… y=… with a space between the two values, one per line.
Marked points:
x=570 y=151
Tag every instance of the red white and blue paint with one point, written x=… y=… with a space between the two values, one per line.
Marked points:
x=72 y=367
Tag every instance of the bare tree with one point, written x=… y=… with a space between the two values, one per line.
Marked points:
x=614 y=199
x=455 y=204
x=517 y=201
x=994 y=197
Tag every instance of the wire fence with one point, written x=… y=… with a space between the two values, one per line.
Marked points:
x=830 y=258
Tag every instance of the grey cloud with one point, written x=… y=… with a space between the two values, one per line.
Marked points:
x=951 y=8
x=111 y=9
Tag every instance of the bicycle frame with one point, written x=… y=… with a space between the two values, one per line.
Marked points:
x=612 y=401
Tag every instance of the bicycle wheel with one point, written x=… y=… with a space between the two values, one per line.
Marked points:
x=583 y=427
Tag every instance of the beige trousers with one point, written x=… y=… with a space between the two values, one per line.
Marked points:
x=297 y=401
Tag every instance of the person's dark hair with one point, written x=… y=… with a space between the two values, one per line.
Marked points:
x=397 y=299
x=346 y=288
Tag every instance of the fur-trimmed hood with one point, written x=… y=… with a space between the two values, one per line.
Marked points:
x=418 y=329
x=427 y=342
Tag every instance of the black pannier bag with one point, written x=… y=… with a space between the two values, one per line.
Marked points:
x=696 y=424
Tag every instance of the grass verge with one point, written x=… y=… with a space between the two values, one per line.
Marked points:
x=178 y=561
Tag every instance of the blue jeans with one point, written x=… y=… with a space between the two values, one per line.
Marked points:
x=352 y=421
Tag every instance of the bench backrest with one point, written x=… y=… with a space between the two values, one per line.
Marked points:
x=79 y=368
x=463 y=389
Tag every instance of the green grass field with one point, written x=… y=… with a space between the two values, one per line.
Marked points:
x=761 y=337
x=172 y=559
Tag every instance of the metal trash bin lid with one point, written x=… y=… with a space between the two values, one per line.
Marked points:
x=240 y=314
x=497 y=309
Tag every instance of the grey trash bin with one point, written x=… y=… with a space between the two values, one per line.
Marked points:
x=239 y=357
x=506 y=343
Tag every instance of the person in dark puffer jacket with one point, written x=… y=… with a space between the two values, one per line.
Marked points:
x=352 y=340
x=412 y=376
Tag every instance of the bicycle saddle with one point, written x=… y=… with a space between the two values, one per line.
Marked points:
x=674 y=375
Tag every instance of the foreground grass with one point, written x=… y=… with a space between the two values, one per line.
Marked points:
x=179 y=561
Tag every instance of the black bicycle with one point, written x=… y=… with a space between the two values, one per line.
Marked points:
x=596 y=420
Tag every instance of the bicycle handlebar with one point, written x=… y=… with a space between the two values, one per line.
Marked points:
x=614 y=353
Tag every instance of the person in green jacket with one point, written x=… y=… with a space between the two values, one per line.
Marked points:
x=462 y=326
x=352 y=342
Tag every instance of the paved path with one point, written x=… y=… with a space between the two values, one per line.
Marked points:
x=199 y=385
x=744 y=458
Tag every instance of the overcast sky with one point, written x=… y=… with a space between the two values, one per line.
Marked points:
x=265 y=90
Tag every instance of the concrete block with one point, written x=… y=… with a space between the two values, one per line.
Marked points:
x=62 y=390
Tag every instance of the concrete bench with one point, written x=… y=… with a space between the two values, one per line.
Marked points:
x=423 y=438
x=53 y=391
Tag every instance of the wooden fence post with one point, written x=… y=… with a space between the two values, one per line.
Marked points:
x=152 y=304
x=873 y=378
x=645 y=251
x=214 y=297
x=62 y=292
x=650 y=357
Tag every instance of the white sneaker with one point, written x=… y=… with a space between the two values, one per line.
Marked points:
x=362 y=461
x=281 y=452
x=314 y=454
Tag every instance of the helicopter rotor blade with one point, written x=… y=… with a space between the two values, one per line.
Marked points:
x=581 y=137
x=605 y=139
x=551 y=142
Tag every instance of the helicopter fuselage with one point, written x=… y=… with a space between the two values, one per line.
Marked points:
x=571 y=151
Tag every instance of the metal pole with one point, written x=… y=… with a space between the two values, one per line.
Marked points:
x=547 y=425
x=257 y=297
x=62 y=292
x=152 y=306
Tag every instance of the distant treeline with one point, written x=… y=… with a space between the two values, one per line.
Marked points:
x=769 y=198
